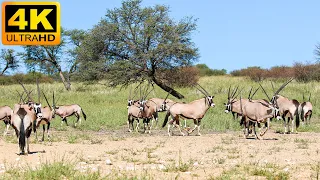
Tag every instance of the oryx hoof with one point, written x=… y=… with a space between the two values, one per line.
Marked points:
x=183 y=134
x=199 y=134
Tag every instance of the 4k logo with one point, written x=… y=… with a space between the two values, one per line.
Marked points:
x=30 y=23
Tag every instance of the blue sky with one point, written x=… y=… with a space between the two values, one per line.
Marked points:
x=231 y=34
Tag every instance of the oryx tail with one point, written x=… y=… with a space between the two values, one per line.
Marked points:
x=22 y=134
x=84 y=115
x=296 y=113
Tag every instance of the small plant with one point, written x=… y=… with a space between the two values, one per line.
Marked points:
x=180 y=167
x=227 y=140
x=302 y=143
x=316 y=169
x=221 y=160
x=96 y=141
x=72 y=139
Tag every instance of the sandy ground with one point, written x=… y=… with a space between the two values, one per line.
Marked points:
x=158 y=156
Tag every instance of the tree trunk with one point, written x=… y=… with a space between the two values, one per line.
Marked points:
x=67 y=85
x=168 y=89
x=4 y=70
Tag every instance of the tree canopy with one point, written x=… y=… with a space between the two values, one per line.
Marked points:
x=134 y=43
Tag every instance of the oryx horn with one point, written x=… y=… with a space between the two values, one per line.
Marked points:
x=20 y=95
x=309 y=97
x=25 y=90
x=38 y=89
x=168 y=95
x=265 y=92
x=272 y=86
x=235 y=91
x=203 y=89
x=250 y=92
x=46 y=100
x=255 y=92
x=54 y=103
x=229 y=92
x=283 y=85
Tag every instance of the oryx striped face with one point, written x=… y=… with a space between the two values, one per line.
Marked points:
x=163 y=106
x=37 y=110
x=142 y=104
x=228 y=107
x=210 y=101
x=130 y=103
x=273 y=99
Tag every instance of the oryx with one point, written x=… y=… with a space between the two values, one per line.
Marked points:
x=47 y=115
x=22 y=120
x=305 y=110
x=194 y=110
x=288 y=108
x=68 y=110
x=5 y=115
x=258 y=112
x=148 y=110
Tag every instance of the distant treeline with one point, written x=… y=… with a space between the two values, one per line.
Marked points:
x=183 y=76
x=187 y=76
x=300 y=71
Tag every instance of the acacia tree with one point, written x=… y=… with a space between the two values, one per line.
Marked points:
x=48 y=59
x=134 y=43
x=8 y=59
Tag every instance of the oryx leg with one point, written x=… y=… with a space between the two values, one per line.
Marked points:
x=267 y=126
x=78 y=119
x=146 y=125
x=255 y=132
x=234 y=117
x=48 y=127
x=44 y=129
x=169 y=124
x=177 y=125
x=285 y=124
x=65 y=120
x=155 y=118
x=199 y=123
x=138 y=124
x=196 y=125
x=129 y=122
x=7 y=123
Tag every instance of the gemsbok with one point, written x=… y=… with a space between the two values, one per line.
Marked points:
x=68 y=110
x=258 y=112
x=194 y=110
x=22 y=120
x=5 y=115
x=47 y=115
x=305 y=110
x=288 y=108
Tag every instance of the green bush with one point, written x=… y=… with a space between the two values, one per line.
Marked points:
x=204 y=70
x=25 y=79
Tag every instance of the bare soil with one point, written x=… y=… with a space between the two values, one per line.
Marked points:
x=158 y=156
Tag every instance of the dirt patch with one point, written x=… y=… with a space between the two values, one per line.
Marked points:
x=161 y=157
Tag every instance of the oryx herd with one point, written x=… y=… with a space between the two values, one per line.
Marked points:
x=27 y=115
x=253 y=112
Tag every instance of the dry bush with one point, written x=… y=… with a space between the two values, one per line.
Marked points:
x=307 y=72
x=254 y=73
x=181 y=77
